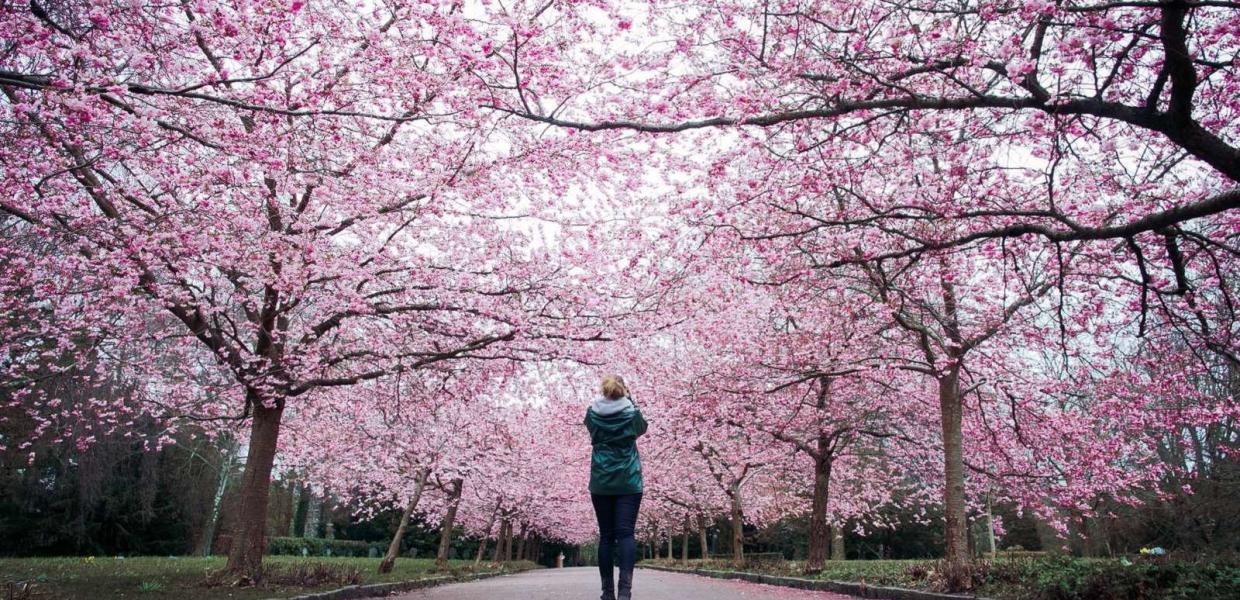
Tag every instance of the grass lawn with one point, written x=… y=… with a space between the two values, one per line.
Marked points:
x=875 y=572
x=182 y=578
x=1026 y=578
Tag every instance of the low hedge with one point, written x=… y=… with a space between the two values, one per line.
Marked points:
x=296 y=546
x=1141 y=579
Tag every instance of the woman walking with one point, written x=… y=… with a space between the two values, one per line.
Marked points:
x=614 y=422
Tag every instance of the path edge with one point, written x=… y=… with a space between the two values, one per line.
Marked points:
x=860 y=590
x=353 y=592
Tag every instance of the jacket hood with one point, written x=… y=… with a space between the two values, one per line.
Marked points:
x=605 y=407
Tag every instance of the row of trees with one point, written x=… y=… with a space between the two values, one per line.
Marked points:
x=854 y=256
x=248 y=207
x=984 y=230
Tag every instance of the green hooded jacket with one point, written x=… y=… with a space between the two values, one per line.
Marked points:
x=615 y=468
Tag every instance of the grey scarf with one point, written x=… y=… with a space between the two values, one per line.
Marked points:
x=605 y=407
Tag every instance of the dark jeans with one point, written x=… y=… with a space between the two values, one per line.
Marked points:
x=617 y=518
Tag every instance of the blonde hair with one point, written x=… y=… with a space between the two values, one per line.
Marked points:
x=613 y=387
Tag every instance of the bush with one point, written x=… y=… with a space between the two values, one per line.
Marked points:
x=1017 y=552
x=944 y=576
x=918 y=571
x=291 y=546
x=1083 y=579
x=1040 y=578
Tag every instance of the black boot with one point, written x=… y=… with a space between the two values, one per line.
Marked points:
x=625 y=591
x=609 y=589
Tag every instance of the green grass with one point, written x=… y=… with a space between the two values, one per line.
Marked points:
x=1032 y=577
x=875 y=572
x=182 y=578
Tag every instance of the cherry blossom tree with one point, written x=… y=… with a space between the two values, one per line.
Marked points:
x=1159 y=75
x=907 y=138
x=418 y=431
x=308 y=193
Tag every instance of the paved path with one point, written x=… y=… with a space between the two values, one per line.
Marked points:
x=582 y=584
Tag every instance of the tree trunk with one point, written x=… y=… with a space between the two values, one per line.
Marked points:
x=684 y=541
x=837 y=542
x=249 y=541
x=294 y=503
x=738 y=527
x=521 y=542
x=991 y=549
x=819 y=529
x=501 y=544
x=389 y=559
x=314 y=515
x=508 y=542
x=226 y=467
x=654 y=541
x=499 y=541
x=670 y=541
x=482 y=545
x=703 y=545
x=449 y=521
x=956 y=532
